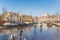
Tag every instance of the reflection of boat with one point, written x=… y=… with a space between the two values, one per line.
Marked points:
x=12 y=37
x=1 y=27
x=39 y=24
x=49 y=25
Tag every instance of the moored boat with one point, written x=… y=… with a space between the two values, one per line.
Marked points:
x=9 y=24
x=16 y=24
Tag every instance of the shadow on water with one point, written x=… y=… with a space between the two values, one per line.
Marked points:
x=40 y=28
x=34 y=29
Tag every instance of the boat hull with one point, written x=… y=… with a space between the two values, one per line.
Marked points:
x=18 y=24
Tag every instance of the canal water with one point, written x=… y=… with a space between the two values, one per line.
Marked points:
x=36 y=32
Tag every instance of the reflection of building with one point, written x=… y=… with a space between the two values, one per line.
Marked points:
x=11 y=16
x=9 y=31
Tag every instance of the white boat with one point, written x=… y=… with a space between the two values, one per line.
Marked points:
x=8 y=23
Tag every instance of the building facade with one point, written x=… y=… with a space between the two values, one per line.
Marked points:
x=35 y=19
x=49 y=18
x=11 y=16
x=26 y=18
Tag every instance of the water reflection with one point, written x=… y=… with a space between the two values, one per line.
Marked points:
x=57 y=33
x=30 y=33
x=49 y=25
x=41 y=28
x=35 y=29
x=21 y=34
x=13 y=37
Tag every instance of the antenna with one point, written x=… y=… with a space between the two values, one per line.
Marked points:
x=57 y=13
x=31 y=13
x=4 y=10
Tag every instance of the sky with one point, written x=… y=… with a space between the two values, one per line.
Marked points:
x=31 y=7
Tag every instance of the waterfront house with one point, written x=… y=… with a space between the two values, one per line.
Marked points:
x=11 y=16
x=49 y=18
x=27 y=18
x=45 y=18
x=15 y=17
x=54 y=18
x=35 y=18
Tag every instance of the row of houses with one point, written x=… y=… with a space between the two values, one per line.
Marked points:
x=16 y=17
x=49 y=17
x=12 y=16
